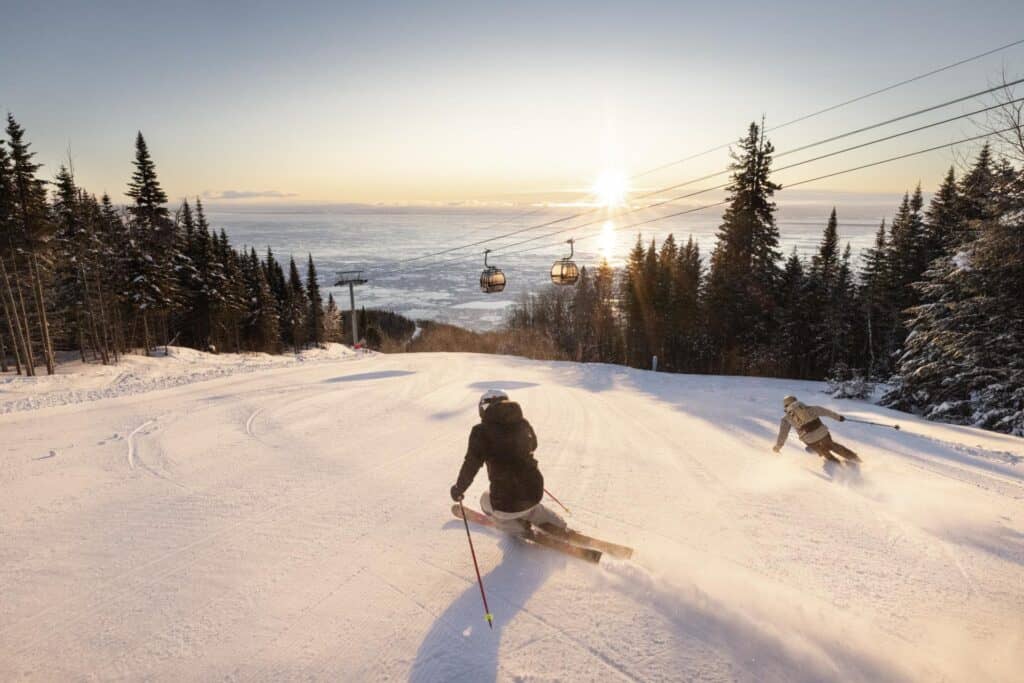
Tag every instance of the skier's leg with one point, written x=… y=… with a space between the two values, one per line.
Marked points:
x=844 y=451
x=540 y=515
x=517 y=525
x=822 y=448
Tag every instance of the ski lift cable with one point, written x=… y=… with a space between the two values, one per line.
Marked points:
x=786 y=186
x=501 y=249
x=863 y=129
x=804 y=162
x=805 y=181
x=845 y=103
x=785 y=124
x=801 y=148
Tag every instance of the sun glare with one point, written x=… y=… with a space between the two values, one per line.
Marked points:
x=611 y=188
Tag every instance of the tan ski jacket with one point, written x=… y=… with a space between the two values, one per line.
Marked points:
x=807 y=421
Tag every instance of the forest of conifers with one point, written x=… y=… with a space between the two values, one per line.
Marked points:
x=934 y=308
x=77 y=272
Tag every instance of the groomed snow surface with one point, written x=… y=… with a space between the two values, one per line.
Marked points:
x=192 y=517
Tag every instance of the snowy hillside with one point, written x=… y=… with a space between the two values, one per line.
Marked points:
x=283 y=520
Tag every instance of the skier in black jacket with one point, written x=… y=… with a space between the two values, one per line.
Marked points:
x=505 y=442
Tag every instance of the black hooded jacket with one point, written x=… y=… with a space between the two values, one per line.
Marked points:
x=505 y=441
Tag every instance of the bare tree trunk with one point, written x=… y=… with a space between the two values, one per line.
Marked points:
x=104 y=323
x=145 y=331
x=118 y=333
x=44 y=325
x=81 y=341
x=22 y=354
x=3 y=353
x=26 y=329
x=97 y=346
x=164 y=331
x=14 y=336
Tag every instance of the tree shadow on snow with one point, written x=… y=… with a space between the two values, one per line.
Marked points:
x=507 y=385
x=365 y=376
x=459 y=646
x=465 y=411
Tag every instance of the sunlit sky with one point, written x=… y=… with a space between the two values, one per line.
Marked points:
x=406 y=102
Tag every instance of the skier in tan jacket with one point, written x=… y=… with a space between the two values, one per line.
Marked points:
x=807 y=420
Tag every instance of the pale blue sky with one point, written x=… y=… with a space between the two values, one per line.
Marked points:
x=397 y=102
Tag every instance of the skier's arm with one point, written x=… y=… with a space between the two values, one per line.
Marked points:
x=783 y=434
x=473 y=462
x=821 y=411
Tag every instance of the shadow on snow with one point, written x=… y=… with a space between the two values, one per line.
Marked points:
x=459 y=646
x=367 y=376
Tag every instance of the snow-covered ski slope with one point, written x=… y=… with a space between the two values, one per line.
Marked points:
x=293 y=523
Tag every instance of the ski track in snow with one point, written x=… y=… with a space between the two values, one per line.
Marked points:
x=249 y=422
x=131 y=442
x=321 y=546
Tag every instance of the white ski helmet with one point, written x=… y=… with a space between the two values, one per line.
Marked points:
x=788 y=400
x=491 y=396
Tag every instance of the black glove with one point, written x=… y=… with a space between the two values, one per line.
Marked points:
x=456 y=494
x=842 y=419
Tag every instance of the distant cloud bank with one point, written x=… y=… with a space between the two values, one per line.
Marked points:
x=249 y=194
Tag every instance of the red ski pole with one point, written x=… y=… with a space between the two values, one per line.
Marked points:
x=487 y=611
x=557 y=501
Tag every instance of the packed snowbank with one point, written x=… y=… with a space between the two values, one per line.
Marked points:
x=294 y=523
x=77 y=382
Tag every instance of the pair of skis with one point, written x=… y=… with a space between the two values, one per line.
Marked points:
x=566 y=541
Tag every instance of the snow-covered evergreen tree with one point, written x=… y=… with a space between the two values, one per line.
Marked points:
x=332 y=321
x=820 y=305
x=296 y=309
x=964 y=356
x=688 y=352
x=635 y=299
x=154 y=248
x=743 y=281
x=944 y=228
x=262 y=322
x=315 y=315
x=30 y=239
x=793 y=325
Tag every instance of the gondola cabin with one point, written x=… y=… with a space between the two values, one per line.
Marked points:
x=492 y=279
x=564 y=271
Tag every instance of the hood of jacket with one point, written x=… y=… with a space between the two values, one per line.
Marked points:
x=503 y=412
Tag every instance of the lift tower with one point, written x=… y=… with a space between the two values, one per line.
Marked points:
x=351 y=278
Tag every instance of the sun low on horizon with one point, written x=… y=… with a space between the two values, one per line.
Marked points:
x=611 y=188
